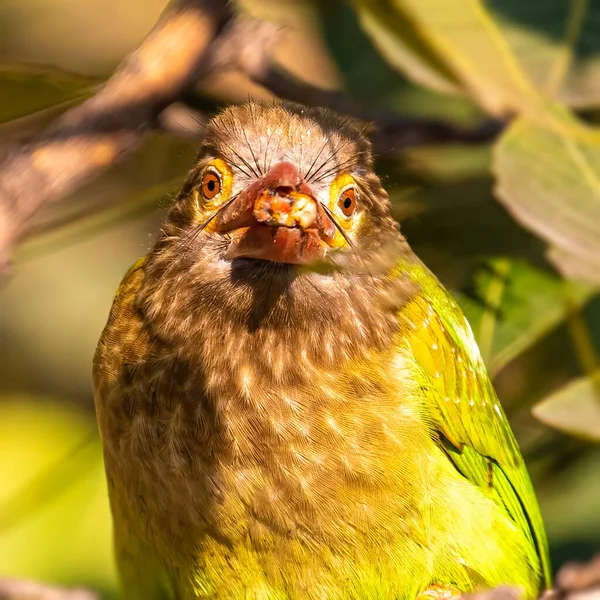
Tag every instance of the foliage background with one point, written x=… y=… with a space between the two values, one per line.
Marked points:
x=538 y=332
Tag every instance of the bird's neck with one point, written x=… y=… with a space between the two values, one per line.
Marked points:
x=271 y=324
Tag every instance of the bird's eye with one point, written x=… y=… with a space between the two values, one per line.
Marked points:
x=347 y=201
x=211 y=184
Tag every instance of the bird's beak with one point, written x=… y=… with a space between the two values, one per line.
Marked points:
x=277 y=218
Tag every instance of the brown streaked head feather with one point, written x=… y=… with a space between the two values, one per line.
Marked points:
x=191 y=289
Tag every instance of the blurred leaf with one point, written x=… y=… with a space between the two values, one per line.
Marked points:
x=132 y=188
x=53 y=499
x=370 y=79
x=575 y=409
x=500 y=52
x=28 y=89
x=366 y=75
x=448 y=163
x=558 y=44
x=454 y=225
x=464 y=39
x=405 y=46
x=83 y=226
x=514 y=305
x=571 y=265
x=548 y=176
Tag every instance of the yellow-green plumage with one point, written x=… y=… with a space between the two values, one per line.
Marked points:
x=279 y=433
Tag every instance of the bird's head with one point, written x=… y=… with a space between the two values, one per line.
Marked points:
x=284 y=184
x=282 y=224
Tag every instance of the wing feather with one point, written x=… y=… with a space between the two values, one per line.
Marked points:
x=472 y=426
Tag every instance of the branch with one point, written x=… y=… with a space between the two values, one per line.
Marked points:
x=574 y=581
x=393 y=132
x=581 y=579
x=13 y=589
x=90 y=137
x=194 y=38
x=245 y=47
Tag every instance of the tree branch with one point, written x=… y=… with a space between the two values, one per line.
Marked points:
x=14 y=589
x=193 y=38
x=90 y=137
x=574 y=581
x=245 y=46
x=393 y=132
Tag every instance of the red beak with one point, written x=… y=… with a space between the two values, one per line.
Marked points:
x=277 y=218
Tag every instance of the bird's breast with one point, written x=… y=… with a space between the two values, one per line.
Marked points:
x=240 y=453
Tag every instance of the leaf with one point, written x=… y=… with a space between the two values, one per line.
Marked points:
x=28 y=89
x=575 y=409
x=514 y=304
x=54 y=516
x=548 y=177
x=503 y=53
x=370 y=79
x=402 y=44
x=558 y=44
x=448 y=163
x=571 y=266
x=466 y=40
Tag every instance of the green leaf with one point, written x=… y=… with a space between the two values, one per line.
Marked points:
x=28 y=89
x=502 y=53
x=465 y=39
x=448 y=163
x=404 y=46
x=548 y=177
x=515 y=305
x=574 y=409
x=55 y=522
x=369 y=78
x=558 y=45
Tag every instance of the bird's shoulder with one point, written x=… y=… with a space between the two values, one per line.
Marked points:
x=123 y=340
x=450 y=368
x=461 y=404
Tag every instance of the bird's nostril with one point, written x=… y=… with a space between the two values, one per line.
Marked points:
x=284 y=190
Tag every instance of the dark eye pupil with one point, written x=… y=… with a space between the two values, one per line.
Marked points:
x=347 y=202
x=211 y=185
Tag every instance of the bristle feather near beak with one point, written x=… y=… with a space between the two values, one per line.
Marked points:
x=277 y=218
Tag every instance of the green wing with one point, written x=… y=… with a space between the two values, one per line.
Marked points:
x=473 y=428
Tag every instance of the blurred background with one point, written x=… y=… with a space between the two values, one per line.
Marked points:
x=538 y=331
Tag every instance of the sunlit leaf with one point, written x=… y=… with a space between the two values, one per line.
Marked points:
x=369 y=78
x=28 y=89
x=514 y=305
x=557 y=43
x=501 y=52
x=571 y=265
x=54 y=515
x=405 y=46
x=548 y=176
x=574 y=409
x=448 y=163
x=466 y=40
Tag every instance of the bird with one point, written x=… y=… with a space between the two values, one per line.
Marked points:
x=291 y=405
